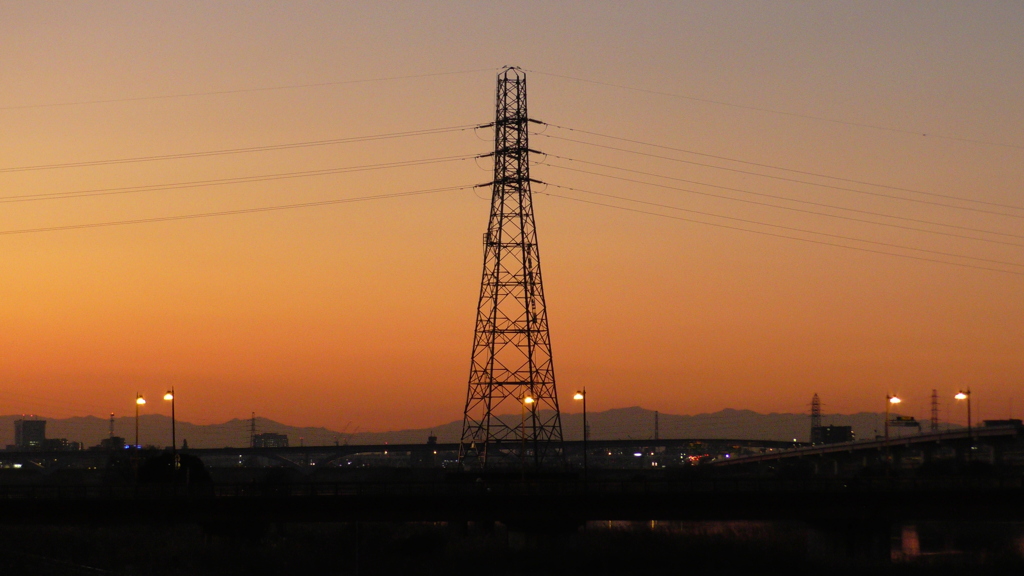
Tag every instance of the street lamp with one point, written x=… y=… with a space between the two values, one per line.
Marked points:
x=139 y=401
x=527 y=401
x=174 y=440
x=966 y=395
x=890 y=400
x=582 y=395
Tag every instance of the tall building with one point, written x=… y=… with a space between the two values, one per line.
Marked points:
x=29 y=434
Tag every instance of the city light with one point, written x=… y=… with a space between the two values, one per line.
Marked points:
x=960 y=396
x=140 y=400
x=528 y=400
x=894 y=400
x=578 y=396
x=168 y=396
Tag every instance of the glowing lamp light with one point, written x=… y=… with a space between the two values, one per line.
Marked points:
x=528 y=400
x=168 y=396
x=895 y=400
x=578 y=396
x=960 y=396
x=140 y=400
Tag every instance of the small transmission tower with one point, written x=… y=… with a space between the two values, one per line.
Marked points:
x=511 y=407
x=935 y=411
x=252 y=431
x=815 y=419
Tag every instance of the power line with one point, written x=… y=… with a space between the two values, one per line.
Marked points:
x=849 y=218
x=790 y=228
x=795 y=180
x=224 y=181
x=785 y=113
x=785 y=198
x=269 y=147
x=232 y=212
x=784 y=169
x=243 y=90
x=821 y=242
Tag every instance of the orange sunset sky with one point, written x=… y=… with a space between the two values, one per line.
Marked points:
x=363 y=312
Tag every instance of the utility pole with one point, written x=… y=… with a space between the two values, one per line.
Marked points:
x=511 y=370
x=111 y=424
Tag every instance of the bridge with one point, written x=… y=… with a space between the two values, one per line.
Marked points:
x=602 y=453
x=990 y=445
x=313 y=484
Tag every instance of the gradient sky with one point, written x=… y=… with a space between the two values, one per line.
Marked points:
x=364 y=312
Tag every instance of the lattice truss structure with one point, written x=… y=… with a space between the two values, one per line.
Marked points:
x=511 y=347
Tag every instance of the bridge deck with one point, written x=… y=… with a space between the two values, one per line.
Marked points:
x=549 y=500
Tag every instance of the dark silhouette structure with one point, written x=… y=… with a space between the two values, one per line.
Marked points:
x=30 y=434
x=826 y=434
x=270 y=440
x=511 y=410
x=815 y=418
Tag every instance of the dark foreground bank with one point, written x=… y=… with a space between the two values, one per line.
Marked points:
x=599 y=548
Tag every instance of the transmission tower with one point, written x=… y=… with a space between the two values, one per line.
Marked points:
x=511 y=407
x=935 y=411
x=815 y=419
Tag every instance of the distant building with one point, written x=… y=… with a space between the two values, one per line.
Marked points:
x=831 y=434
x=29 y=434
x=1010 y=422
x=270 y=440
x=905 y=422
x=60 y=445
x=110 y=444
x=426 y=459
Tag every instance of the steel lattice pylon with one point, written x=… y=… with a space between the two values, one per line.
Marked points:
x=511 y=346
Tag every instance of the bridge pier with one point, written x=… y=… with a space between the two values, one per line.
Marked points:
x=910 y=544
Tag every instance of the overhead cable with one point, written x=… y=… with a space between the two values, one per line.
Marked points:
x=795 y=180
x=244 y=90
x=265 y=148
x=224 y=181
x=785 y=113
x=790 y=208
x=779 y=197
x=233 y=212
x=790 y=228
x=784 y=169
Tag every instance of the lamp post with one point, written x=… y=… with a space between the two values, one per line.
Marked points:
x=139 y=401
x=582 y=395
x=174 y=439
x=966 y=395
x=527 y=401
x=890 y=400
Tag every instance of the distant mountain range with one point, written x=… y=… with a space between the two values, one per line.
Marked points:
x=620 y=423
